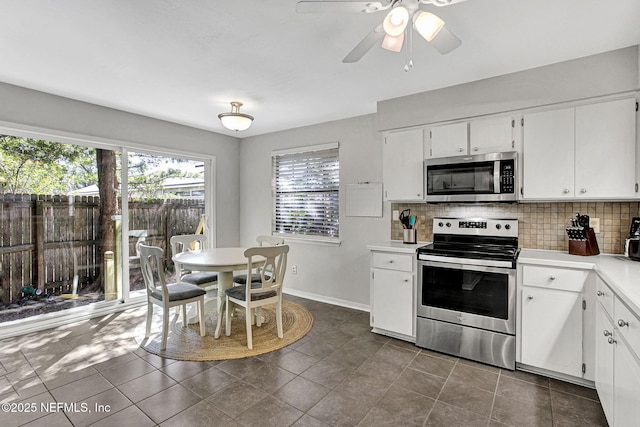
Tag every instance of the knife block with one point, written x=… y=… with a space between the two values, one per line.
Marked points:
x=586 y=247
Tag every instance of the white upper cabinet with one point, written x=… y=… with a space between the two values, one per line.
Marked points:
x=492 y=135
x=606 y=149
x=584 y=152
x=402 y=165
x=449 y=140
x=548 y=154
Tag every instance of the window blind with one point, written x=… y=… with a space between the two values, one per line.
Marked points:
x=306 y=193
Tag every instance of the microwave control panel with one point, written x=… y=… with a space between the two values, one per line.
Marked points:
x=507 y=176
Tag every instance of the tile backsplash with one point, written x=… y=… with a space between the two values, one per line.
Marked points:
x=540 y=225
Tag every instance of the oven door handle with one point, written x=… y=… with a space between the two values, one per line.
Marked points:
x=457 y=266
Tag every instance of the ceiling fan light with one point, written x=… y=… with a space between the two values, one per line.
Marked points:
x=393 y=44
x=235 y=120
x=428 y=25
x=396 y=21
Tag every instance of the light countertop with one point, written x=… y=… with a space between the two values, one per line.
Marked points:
x=620 y=273
x=396 y=246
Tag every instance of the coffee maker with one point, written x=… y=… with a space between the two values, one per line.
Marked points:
x=632 y=243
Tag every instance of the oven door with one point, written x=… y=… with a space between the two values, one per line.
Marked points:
x=472 y=295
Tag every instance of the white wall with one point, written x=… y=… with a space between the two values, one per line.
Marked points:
x=25 y=108
x=328 y=273
x=592 y=76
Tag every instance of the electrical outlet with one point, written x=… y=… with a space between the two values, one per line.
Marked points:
x=595 y=224
x=294 y=269
x=396 y=215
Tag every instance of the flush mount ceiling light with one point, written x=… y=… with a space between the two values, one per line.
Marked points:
x=235 y=120
x=395 y=27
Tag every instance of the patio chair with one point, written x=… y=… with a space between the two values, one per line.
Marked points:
x=187 y=242
x=241 y=279
x=268 y=291
x=166 y=296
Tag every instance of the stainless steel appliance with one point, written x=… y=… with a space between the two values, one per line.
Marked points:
x=480 y=178
x=467 y=290
x=632 y=243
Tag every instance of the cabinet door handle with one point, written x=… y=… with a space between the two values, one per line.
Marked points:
x=607 y=333
x=552 y=277
x=390 y=261
x=530 y=297
x=475 y=148
x=584 y=190
x=565 y=191
x=622 y=323
x=406 y=280
x=460 y=150
x=611 y=340
x=600 y=293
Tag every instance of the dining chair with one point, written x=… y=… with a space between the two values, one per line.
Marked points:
x=187 y=242
x=268 y=291
x=166 y=295
x=241 y=279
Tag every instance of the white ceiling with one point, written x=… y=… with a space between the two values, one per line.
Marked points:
x=185 y=60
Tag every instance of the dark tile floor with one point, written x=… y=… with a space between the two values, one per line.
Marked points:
x=340 y=374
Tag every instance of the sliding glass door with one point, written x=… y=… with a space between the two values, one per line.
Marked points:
x=63 y=241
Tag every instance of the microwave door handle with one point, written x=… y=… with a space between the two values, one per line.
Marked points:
x=496 y=177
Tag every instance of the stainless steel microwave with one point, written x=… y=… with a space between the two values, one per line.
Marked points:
x=489 y=177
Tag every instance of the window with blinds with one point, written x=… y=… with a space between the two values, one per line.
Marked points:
x=305 y=190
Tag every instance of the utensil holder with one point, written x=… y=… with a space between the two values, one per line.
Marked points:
x=409 y=235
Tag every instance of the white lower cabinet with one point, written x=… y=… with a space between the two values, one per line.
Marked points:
x=604 y=361
x=626 y=381
x=552 y=330
x=553 y=319
x=392 y=294
x=618 y=366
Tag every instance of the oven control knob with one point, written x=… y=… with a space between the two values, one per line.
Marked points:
x=507 y=227
x=448 y=224
x=498 y=226
x=440 y=224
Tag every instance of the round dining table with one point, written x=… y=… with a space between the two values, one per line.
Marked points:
x=224 y=261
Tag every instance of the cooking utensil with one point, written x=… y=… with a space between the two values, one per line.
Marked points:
x=404 y=218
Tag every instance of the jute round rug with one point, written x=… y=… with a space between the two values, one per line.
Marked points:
x=185 y=343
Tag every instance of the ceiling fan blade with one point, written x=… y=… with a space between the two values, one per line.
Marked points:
x=445 y=41
x=365 y=45
x=310 y=6
x=441 y=3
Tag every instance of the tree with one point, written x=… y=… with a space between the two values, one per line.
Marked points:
x=108 y=188
x=34 y=166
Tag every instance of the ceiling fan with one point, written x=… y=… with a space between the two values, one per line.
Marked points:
x=396 y=25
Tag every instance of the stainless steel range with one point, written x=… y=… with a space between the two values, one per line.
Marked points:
x=467 y=290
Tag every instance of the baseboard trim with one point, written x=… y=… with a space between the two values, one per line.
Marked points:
x=326 y=299
x=555 y=375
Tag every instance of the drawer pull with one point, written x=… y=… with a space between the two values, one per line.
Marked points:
x=390 y=261
x=552 y=277
x=622 y=323
x=600 y=293
x=607 y=333
x=611 y=340
x=406 y=280
x=530 y=297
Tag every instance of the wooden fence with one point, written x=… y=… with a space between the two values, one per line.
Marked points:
x=45 y=239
